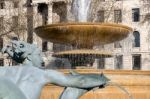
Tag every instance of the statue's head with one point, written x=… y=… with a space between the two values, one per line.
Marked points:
x=20 y=46
x=25 y=52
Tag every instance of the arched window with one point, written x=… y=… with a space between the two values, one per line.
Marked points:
x=136 y=35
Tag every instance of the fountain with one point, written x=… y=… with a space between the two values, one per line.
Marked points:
x=27 y=80
x=83 y=36
x=80 y=9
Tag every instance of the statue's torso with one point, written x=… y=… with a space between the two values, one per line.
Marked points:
x=29 y=80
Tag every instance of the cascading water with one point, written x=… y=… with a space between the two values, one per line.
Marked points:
x=81 y=9
x=118 y=86
x=121 y=88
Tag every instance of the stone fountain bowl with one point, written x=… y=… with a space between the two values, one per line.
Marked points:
x=82 y=57
x=83 y=53
x=83 y=35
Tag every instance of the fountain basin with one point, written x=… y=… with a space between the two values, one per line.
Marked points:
x=83 y=35
x=82 y=57
x=136 y=82
x=84 y=52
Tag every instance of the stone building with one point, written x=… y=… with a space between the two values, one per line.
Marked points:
x=131 y=54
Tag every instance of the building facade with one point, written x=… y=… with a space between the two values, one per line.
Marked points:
x=20 y=17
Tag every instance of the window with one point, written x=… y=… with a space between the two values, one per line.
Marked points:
x=1 y=24
x=15 y=21
x=43 y=64
x=136 y=61
x=60 y=8
x=1 y=43
x=136 y=42
x=43 y=10
x=100 y=16
x=135 y=14
x=117 y=45
x=119 y=62
x=101 y=63
x=16 y=4
x=2 y=4
x=1 y=62
x=44 y=46
x=56 y=47
x=117 y=16
x=30 y=1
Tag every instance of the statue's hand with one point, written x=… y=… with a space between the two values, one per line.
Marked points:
x=24 y=55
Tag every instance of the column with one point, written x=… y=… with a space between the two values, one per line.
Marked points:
x=70 y=16
x=127 y=62
x=50 y=21
x=50 y=12
x=35 y=15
